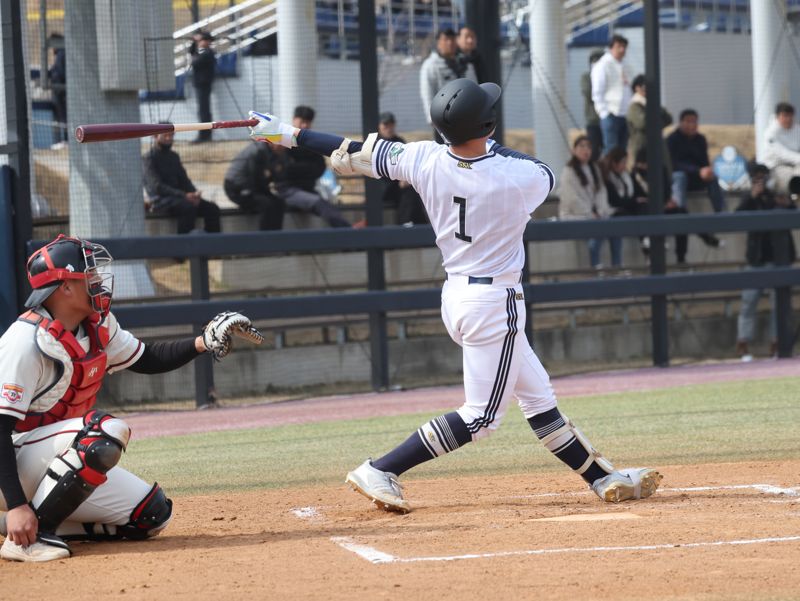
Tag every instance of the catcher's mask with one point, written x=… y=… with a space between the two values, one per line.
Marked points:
x=68 y=258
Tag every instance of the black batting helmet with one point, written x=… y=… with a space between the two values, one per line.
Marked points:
x=68 y=258
x=463 y=110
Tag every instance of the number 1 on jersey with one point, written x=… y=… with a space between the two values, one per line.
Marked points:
x=462 y=218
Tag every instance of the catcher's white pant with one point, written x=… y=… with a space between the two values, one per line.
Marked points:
x=488 y=322
x=111 y=503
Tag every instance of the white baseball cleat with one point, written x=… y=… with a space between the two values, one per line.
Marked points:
x=627 y=484
x=46 y=548
x=382 y=488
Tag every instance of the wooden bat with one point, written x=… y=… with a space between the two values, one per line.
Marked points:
x=105 y=132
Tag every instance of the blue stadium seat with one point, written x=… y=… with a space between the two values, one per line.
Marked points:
x=598 y=36
x=177 y=94
x=634 y=18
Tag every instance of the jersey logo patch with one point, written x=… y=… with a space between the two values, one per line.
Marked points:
x=12 y=392
x=464 y=165
x=395 y=152
x=519 y=296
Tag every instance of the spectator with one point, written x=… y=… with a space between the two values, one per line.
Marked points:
x=582 y=195
x=688 y=151
x=247 y=183
x=670 y=206
x=637 y=124
x=439 y=68
x=470 y=62
x=764 y=249
x=782 y=153
x=57 y=75
x=204 y=65
x=296 y=172
x=611 y=93
x=410 y=210
x=593 y=130
x=172 y=192
x=625 y=198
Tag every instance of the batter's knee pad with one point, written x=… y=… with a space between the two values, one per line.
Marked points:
x=77 y=472
x=149 y=517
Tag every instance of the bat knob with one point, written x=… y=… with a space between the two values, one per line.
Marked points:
x=79 y=134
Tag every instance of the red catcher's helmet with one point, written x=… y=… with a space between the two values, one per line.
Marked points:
x=68 y=258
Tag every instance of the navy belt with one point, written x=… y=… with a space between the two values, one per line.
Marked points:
x=473 y=280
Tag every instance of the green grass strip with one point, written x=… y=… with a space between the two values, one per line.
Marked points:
x=719 y=422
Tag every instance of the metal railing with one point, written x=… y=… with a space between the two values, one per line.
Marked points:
x=234 y=29
x=378 y=301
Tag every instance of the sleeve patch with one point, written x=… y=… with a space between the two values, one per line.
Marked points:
x=395 y=152
x=12 y=392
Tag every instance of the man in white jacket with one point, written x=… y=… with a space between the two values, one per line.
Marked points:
x=611 y=93
x=782 y=153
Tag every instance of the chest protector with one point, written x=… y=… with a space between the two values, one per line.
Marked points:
x=79 y=373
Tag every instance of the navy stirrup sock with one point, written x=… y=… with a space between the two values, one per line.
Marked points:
x=441 y=435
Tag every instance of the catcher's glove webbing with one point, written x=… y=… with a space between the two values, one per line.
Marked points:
x=217 y=333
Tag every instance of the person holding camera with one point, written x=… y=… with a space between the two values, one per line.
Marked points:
x=764 y=250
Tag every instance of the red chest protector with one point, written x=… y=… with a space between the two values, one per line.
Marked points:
x=88 y=370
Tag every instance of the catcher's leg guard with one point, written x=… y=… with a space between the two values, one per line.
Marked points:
x=557 y=432
x=149 y=517
x=78 y=471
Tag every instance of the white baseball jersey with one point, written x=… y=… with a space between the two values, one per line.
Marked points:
x=27 y=377
x=478 y=207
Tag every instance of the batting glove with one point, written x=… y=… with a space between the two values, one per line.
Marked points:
x=270 y=129
x=217 y=333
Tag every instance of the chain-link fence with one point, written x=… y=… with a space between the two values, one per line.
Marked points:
x=90 y=61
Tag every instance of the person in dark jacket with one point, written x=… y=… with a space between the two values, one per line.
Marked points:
x=172 y=192
x=691 y=170
x=591 y=117
x=764 y=249
x=57 y=74
x=296 y=173
x=247 y=183
x=671 y=207
x=467 y=56
x=410 y=210
x=204 y=65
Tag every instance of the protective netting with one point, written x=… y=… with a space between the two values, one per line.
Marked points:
x=143 y=66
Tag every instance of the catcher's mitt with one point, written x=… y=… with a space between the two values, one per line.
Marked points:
x=217 y=333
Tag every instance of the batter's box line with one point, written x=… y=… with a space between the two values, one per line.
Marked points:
x=376 y=556
x=770 y=489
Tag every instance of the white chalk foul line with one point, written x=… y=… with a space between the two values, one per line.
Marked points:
x=792 y=491
x=379 y=557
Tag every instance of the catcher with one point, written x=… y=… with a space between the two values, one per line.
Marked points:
x=58 y=455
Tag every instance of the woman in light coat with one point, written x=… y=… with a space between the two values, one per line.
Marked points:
x=582 y=195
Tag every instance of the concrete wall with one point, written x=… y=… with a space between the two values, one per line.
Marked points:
x=254 y=372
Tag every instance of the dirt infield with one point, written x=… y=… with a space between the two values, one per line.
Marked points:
x=148 y=425
x=722 y=531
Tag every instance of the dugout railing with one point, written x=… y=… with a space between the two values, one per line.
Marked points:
x=378 y=301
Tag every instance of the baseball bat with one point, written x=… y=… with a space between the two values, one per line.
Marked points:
x=105 y=132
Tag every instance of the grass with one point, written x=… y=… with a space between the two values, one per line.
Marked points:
x=737 y=421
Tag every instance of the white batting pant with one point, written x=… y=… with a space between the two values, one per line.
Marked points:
x=111 y=503
x=488 y=322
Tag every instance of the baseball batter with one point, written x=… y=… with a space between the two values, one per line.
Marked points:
x=479 y=197
x=58 y=455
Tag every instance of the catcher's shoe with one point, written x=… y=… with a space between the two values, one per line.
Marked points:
x=382 y=488
x=47 y=547
x=627 y=484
